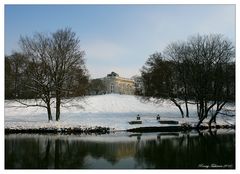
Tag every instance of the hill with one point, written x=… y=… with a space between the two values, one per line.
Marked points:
x=110 y=110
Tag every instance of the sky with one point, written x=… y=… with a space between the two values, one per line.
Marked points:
x=118 y=38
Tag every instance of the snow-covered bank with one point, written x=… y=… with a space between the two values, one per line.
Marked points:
x=112 y=110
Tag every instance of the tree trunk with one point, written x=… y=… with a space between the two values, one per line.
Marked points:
x=49 y=112
x=186 y=105
x=205 y=111
x=201 y=115
x=186 y=98
x=219 y=108
x=200 y=122
x=213 y=119
x=58 y=103
x=200 y=110
x=179 y=106
x=58 y=109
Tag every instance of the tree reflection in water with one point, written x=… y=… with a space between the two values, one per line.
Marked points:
x=188 y=152
x=174 y=150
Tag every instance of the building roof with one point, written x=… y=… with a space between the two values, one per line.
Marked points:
x=113 y=74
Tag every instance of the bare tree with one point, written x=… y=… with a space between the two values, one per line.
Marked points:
x=198 y=71
x=209 y=54
x=64 y=57
x=160 y=80
x=202 y=62
x=38 y=71
x=56 y=66
x=178 y=53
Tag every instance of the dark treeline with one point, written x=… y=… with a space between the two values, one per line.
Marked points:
x=16 y=68
x=200 y=71
x=18 y=80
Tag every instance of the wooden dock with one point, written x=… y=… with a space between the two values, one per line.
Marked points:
x=135 y=122
x=168 y=122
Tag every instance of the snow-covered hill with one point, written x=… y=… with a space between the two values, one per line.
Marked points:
x=111 y=110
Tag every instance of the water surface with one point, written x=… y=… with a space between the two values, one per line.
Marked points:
x=121 y=151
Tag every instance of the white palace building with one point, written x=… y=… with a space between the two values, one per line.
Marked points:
x=115 y=84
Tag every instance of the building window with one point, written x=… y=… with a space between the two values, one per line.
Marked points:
x=112 y=88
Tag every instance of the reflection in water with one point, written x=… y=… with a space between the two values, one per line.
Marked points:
x=123 y=150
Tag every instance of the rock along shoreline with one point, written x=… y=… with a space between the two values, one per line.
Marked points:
x=75 y=130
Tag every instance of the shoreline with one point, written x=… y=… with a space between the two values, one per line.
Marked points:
x=178 y=128
x=107 y=130
x=75 y=130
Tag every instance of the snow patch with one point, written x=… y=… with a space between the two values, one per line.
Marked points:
x=110 y=110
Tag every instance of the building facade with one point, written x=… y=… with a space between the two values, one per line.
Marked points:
x=120 y=85
x=113 y=83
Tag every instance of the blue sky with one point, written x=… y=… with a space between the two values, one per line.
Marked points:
x=119 y=38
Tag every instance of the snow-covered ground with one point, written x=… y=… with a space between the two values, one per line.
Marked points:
x=110 y=110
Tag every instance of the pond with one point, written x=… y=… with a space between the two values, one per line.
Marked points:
x=121 y=150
